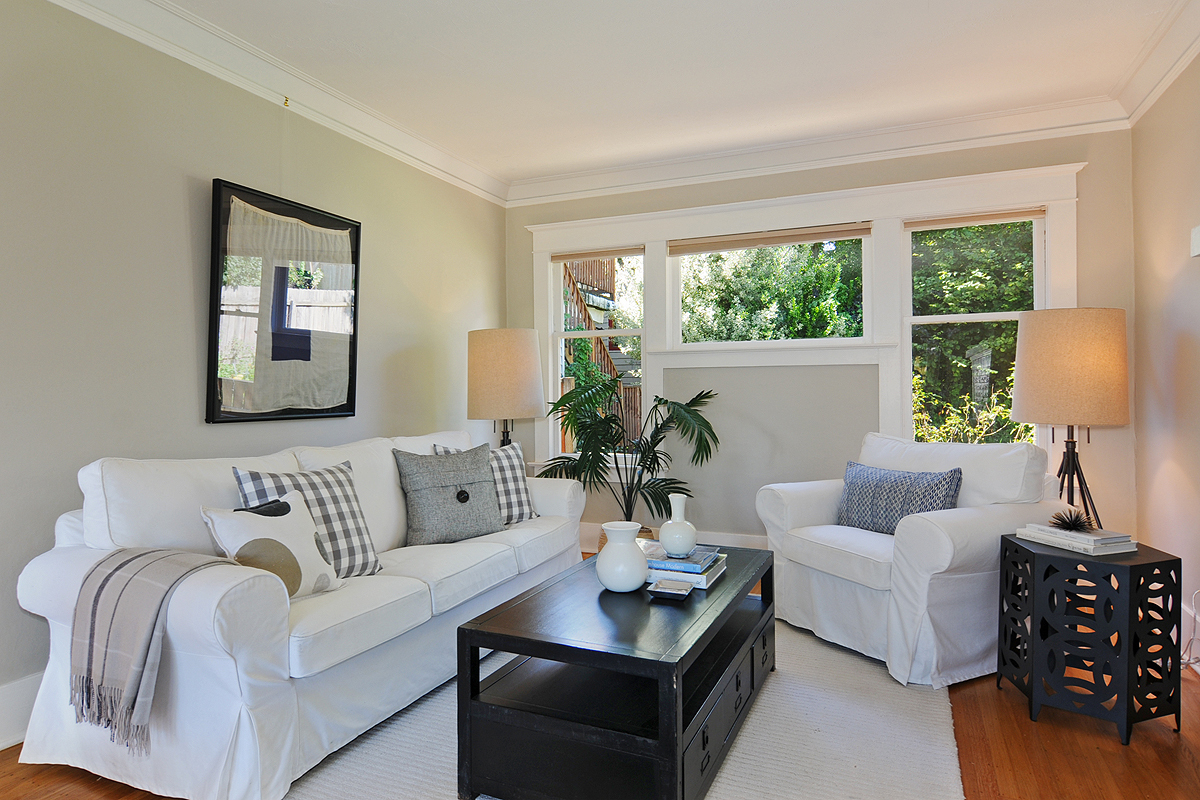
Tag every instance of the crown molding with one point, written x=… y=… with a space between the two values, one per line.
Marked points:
x=1067 y=119
x=1173 y=47
x=169 y=29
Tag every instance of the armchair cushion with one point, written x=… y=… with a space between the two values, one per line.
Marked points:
x=861 y=556
x=876 y=499
x=991 y=473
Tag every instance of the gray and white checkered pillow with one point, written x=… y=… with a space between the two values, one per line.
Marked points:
x=508 y=468
x=342 y=534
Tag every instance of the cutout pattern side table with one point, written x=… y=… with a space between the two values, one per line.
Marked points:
x=1097 y=635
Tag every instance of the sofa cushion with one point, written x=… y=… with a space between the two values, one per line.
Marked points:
x=280 y=538
x=341 y=529
x=454 y=572
x=423 y=445
x=450 y=497
x=327 y=629
x=537 y=540
x=156 y=502
x=375 y=481
x=512 y=487
x=992 y=473
x=877 y=499
x=855 y=554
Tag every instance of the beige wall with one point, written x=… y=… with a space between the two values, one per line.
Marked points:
x=1105 y=279
x=1166 y=193
x=107 y=153
x=774 y=426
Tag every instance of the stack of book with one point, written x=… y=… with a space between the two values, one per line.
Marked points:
x=1092 y=543
x=701 y=568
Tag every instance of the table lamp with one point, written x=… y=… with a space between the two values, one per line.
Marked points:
x=1072 y=369
x=504 y=376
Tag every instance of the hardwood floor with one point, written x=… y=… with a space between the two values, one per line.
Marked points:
x=1003 y=755
x=1064 y=756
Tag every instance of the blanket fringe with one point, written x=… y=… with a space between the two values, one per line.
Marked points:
x=104 y=707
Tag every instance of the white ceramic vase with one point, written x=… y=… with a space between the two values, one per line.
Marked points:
x=621 y=565
x=677 y=535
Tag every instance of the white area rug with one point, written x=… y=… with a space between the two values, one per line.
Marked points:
x=829 y=724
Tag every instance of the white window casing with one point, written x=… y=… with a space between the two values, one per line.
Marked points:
x=891 y=210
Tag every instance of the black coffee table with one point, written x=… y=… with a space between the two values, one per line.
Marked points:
x=612 y=695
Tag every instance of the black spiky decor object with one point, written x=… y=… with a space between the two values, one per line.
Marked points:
x=1073 y=520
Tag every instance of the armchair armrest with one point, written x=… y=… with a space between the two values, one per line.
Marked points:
x=784 y=506
x=963 y=540
x=557 y=497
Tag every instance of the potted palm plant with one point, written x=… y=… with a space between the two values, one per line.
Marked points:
x=628 y=466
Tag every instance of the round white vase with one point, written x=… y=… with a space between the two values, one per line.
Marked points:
x=621 y=565
x=677 y=535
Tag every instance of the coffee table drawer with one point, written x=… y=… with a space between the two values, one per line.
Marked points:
x=763 y=653
x=702 y=754
x=706 y=749
x=736 y=697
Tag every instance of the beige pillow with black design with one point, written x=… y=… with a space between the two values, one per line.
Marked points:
x=279 y=537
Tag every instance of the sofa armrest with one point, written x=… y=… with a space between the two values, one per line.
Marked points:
x=963 y=540
x=784 y=506
x=557 y=497
x=206 y=614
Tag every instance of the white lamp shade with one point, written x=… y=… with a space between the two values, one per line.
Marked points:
x=1072 y=367
x=504 y=374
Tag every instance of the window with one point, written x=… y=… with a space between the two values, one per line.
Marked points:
x=776 y=285
x=602 y=326
x=930 y=276
x=968 y=284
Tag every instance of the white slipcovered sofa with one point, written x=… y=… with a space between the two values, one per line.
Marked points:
x=253 y=690
x=925 y=600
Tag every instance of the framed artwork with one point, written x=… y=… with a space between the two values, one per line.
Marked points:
x=283 y=310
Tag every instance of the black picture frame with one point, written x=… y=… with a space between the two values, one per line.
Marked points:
x=283 y=309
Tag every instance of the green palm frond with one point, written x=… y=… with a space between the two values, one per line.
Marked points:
x=628 y=464
x=657 y=494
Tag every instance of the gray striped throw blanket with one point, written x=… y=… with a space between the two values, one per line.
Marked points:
x=117 y=637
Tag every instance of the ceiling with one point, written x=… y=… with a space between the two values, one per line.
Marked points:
x=524 y=99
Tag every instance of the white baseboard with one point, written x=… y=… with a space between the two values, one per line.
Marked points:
x=1189 y=624
x=589 y=538
x=16 y=704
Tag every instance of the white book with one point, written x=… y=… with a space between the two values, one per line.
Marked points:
x=701 y=580
x=1088 y=537
x=1076 y=546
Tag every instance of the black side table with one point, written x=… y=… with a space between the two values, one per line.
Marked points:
x=1098 y=635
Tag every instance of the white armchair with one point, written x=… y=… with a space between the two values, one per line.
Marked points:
x=926 y=599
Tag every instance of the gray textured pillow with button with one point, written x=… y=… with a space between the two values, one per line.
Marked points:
x=449 y=497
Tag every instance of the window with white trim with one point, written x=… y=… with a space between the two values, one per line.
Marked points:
x=970 y=278
x=771 y=286
x=1032 y=211
x=601 y=337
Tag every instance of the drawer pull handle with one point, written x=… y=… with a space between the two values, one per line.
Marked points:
x=704 y=738
x=737 y=703
x=737 y=681
x=704 y=763
x=764 y=658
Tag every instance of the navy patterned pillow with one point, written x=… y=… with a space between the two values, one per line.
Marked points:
x=876 y=499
